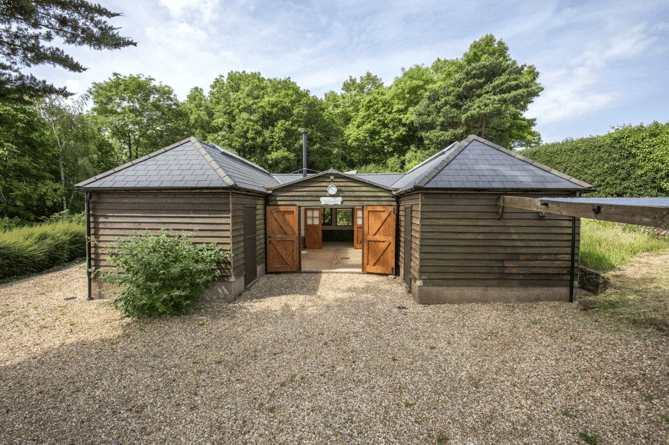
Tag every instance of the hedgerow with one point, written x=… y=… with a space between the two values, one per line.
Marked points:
x=33 y=249
x=631 y=161
x=161 y=273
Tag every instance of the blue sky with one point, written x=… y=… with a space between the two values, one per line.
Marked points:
x=602 y=63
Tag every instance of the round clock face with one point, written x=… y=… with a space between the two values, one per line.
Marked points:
x=332 y=189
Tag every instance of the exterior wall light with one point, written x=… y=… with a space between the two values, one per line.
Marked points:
x=542 y=215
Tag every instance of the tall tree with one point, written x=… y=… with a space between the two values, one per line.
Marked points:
x=486 y=97
x=382 y=129
x=140 y=115
x=262 y=120
x=26 y=27
x=28 y=185
x=81 y=151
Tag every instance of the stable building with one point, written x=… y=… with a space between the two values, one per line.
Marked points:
x=442 y=227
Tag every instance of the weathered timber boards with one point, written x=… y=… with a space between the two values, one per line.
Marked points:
x=640 y=215
x=465 y=243
x=492 y=283
x=121 y=213
x=353 y=193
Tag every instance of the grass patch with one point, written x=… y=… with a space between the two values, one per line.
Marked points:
x=639 y=290
x=30 y=250
x=606 y=245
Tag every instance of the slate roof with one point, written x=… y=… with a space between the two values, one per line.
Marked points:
x=473 y=164
x=190 y=163
x=476 y=163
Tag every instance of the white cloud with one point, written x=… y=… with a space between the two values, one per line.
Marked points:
x=204 y=8
x=572 y=91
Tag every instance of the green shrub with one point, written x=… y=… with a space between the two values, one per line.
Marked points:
x=66 y=215
x=28 y=250
x=628 y=162
x=605 y=245
x=161 y=273
x=7 y=224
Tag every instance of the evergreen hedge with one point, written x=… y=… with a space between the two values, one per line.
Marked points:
x=631 y=161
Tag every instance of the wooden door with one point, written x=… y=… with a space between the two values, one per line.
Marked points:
x=250 y=266
x=379 y=240
x=357 y=228
x=282 y=239
x=313 y=228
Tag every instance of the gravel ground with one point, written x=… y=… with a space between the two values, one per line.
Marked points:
x=332 y=358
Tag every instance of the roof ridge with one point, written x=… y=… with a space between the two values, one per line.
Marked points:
x=207 y=157
x=434 y=156
x=520 y=157
x=239 y=158
x=429 y=176
x=131 y=163
x=326 y=172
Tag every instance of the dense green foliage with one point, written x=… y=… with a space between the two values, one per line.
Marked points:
x=262 y=120
x=44 y=150
x=161 y=273
x=630 y=161
x=605 y=245
x=25 y=27
x=33 y=249
x=140 y=115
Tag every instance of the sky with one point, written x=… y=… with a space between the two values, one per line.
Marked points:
x=602 y=63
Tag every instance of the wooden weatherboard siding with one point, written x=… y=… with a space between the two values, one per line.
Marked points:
x=116 y=214
x=237 y=203
x=466 y=250
x=354 y=193
x=414 y=201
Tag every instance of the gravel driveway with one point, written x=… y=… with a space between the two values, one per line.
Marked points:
x=332 y=358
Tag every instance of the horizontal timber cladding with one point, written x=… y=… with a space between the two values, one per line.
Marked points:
x=121 y=213
x=465 y=243
x=239 y=200
x=414 y=201
x=308 y=193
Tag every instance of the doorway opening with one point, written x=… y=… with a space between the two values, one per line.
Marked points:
x=332 y=239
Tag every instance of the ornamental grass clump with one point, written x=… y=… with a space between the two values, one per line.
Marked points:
x=34 y=249
x=161 y=273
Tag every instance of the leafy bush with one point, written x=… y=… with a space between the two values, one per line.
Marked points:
x=628 y=162
x=161 y=273
x=67 y=215
x=28 y=250
x=605 y=245
x=7 y=224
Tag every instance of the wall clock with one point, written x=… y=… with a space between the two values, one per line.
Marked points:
x=332 y=189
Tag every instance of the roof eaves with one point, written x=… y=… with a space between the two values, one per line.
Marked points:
x=543 y=167
x=217 y=168
x=130 y=164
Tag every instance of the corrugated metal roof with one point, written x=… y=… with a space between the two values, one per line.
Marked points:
x=640 y=202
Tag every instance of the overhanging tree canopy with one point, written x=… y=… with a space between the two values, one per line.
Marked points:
x=26 y=27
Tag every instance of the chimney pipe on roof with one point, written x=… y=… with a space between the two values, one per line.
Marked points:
x=304 y=153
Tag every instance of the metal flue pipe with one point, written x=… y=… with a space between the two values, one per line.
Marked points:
x=304 y=153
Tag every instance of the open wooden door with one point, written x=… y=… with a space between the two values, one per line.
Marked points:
x=313 y=228
x=282 y=239
x=379 y=240
x=357 y=228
